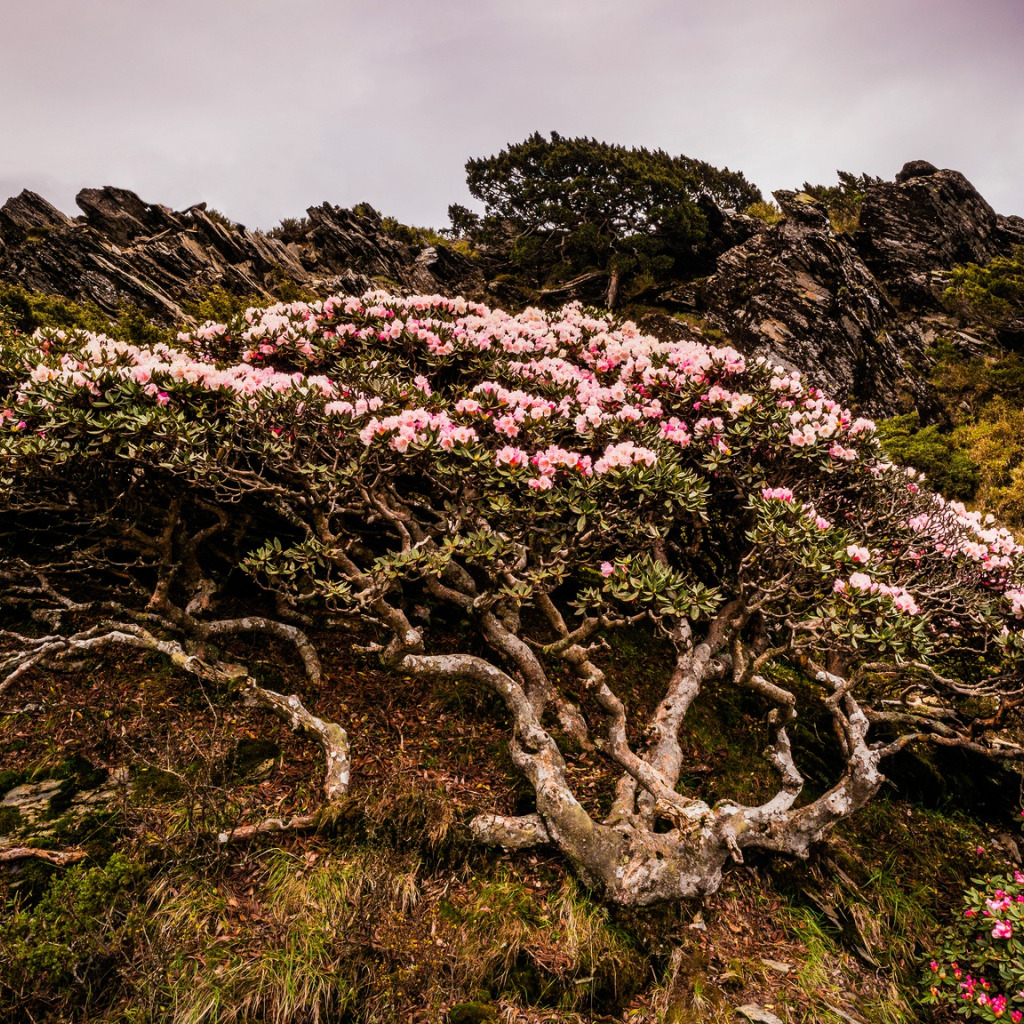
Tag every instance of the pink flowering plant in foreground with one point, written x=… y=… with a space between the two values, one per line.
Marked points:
x=390 y=466
x=979 y=971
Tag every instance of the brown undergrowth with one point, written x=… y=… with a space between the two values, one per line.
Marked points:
x=387 y=912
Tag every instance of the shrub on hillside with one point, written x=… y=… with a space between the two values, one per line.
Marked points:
x=993 y=293
x=491 y=499
x=978 y=968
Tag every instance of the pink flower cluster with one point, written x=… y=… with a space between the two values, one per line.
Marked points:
x=623 y=455
x=103 y=361
x=417 y=427
x=583 y=377
x=571 y=395
x=864 y=584
x=954 y=530
x=860 y=555
x=777 y=494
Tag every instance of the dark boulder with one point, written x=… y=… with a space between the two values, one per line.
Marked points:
x=924 y=223
x=915 y=169
x=26 y=215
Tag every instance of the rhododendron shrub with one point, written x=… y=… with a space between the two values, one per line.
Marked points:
x=392 y=466
x=979 y=971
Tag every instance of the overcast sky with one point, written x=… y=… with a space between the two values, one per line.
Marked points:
x=264 y=107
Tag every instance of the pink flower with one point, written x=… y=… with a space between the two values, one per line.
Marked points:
x=514 y=457
x=162 y=398
x=607 y=569
x=860 y=555
x=862 y=581
x=1002 y=930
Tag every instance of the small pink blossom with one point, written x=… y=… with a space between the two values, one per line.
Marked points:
x=860 y=555
x=863 y=582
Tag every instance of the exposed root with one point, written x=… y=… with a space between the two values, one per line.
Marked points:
x=297 y=823
x=59 y=857
x=331 y=737
x=510 y=833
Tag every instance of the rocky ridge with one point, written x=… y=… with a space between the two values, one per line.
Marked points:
x=124 y=250
x=855 y=312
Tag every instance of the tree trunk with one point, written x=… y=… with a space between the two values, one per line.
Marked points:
x=613 y=287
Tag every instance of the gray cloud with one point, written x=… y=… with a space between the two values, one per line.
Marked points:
x=262 y=107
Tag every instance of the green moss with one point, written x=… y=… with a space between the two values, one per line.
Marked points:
x=96 y=831
x=472 y=1013
x=948 y=468
x=77 y=773
x=26 y=311
x=992 y=294
x=11 y=777
x=248 y=760
x=154 y=784
x=10 y=820
x=57 y=956
x=766 y=211
x=79 y=770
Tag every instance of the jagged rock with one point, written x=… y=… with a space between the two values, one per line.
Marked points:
x=443 y=269
x=799 y=294
x=1011 y=228
x=926 y=222
x=35 y=810
x=121 y=216
x=26 y=213
x=32 y=800
x=345 y=240
x=125 y=250
x=725 y=229
x=855 y=317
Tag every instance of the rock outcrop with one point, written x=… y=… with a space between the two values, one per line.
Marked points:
x=854 y=312
x=124 y=250
x=923 y=223
x=800 y=294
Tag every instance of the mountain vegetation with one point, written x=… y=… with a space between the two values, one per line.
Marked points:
x=369 y=653
x=573 y=206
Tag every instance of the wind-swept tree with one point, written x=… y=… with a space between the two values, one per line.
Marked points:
x=580 y=205
x=545 y=480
